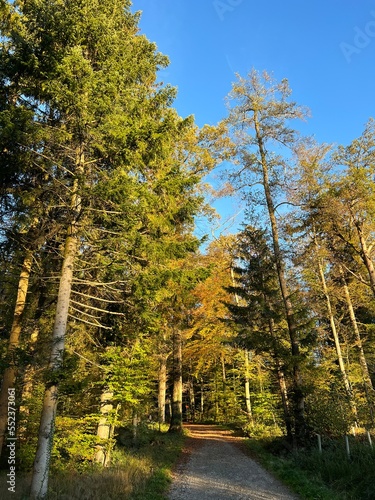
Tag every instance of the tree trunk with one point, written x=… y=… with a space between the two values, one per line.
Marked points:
x=102 y=456
x=282 y=384
x=176 y=417
x=284 y=399
x=366 y=257
x=39 y=484
x=336 y=340
x=247 y=389
x=162 y=389
x=299 y=400
x=10 y=373
x=369 y=390
x=191 y=412
x=27 y=389
x=202 y=399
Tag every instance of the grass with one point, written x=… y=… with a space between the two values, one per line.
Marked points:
x=314 y=476
x=136 y=473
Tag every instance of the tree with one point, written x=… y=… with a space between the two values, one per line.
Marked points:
x=258 y=123
x=75 y=66
x=259 y=315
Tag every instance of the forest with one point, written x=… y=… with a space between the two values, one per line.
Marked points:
x=116 y=318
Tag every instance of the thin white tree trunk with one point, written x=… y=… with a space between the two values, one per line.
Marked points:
x=247 y=388
x=369 y=390
x=336 y=339
x=103 y=432
x=39 y=484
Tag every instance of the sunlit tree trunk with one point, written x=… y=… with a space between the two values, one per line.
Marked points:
x=102 y=455
x=369 y=390
x=162 y=388
x=336 y=339
x=249 y=410
x=27 y=388
x=366 y=257
x=176 y=417
x=10 y=373
x=39 y=485
x=299 y=400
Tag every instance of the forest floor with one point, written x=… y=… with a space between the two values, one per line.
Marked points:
x=215 y=466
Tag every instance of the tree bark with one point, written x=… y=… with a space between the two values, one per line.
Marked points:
x=162 y=389
x=102 y=456
x=39 y=484
x=10 y=373
x=299 y=400
x=247 y=389
x=336 y=340
x=366 y=257
x=176 y=417
x=369 y=390
x=202 y=400
x=282 y=384
x=191 y=412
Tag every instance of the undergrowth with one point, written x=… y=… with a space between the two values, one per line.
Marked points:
x=137 y=472
x=329 y=475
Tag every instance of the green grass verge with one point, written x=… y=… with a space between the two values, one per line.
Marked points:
x=314 y=476
x=137 y=473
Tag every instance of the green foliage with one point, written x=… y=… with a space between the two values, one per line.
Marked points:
x=144 y=473
x=327 y=476
x=130 y=372
x=329 y=412
x=74 y=442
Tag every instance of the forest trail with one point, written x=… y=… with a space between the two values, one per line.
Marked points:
x=214 y=467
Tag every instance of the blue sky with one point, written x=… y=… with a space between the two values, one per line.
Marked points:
x=325 y=48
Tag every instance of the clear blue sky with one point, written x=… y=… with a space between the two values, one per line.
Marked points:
x=325 y=48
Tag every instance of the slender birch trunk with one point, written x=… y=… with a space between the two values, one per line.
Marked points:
x=367 y=382
x=336 y=339
x=10 y=373
x=39 y=485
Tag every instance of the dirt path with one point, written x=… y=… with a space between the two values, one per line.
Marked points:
x=215 y=468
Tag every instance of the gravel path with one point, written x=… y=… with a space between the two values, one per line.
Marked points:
x=215 y=468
